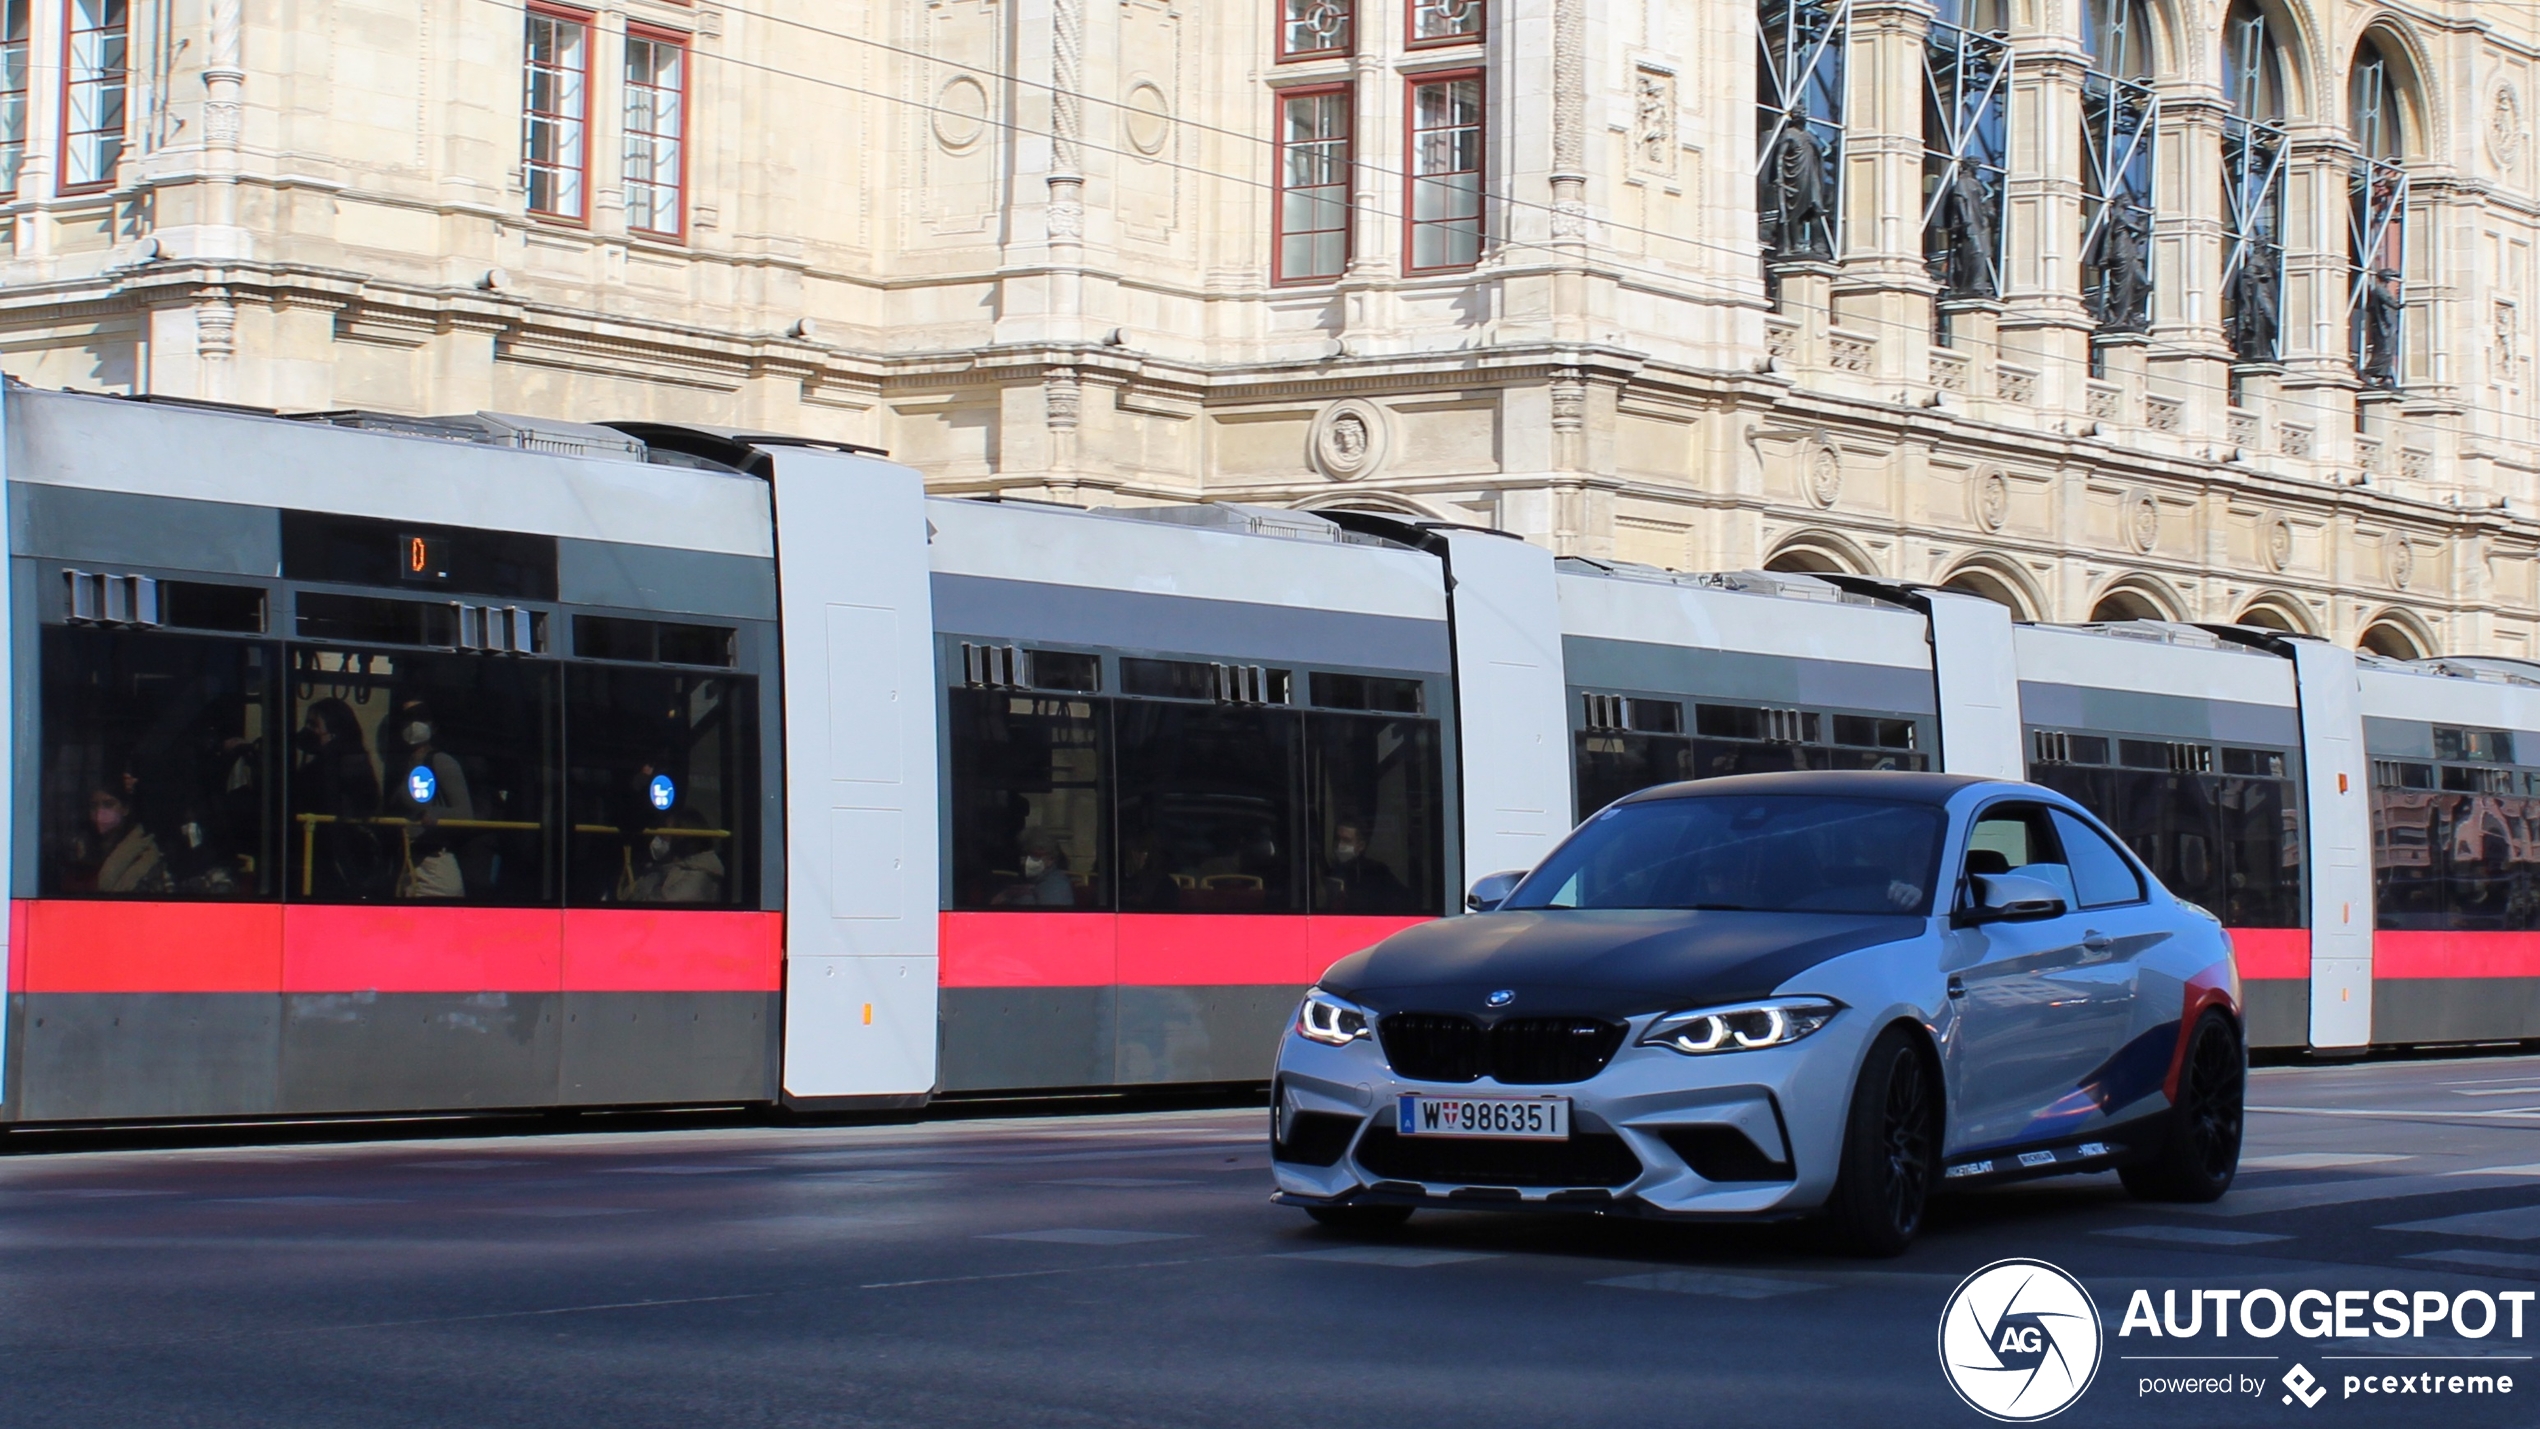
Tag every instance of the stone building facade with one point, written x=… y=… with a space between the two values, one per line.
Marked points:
x=2103 y=308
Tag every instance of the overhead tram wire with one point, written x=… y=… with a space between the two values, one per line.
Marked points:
x=1699 y=285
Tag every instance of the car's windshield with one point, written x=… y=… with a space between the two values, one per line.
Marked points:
x=1775 y=853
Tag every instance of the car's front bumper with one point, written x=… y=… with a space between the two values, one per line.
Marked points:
x=1674 y=1115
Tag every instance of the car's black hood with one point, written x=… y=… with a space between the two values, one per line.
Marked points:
x=1601 y=963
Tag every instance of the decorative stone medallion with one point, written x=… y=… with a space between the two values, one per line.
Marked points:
x=1992 y=500
x=2403 y=562
x=2278 y=542
x=2143 y=520
x=1824 y=476
x=1347 y=440
x=2504 y=123
x=1148 y=116
x=961 y=113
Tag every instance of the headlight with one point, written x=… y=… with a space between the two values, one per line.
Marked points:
x=1741 y=1028
x=1330 y=1020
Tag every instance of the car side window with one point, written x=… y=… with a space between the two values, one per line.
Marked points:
x=2101 y=875
x=2009 y=838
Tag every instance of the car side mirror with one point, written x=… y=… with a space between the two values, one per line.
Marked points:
x=1492 y=889
x=2013 y=897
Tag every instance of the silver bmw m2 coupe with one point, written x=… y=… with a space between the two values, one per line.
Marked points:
x=1776 y=996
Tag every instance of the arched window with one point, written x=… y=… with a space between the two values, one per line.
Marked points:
x=1966 y=147
x=1799 y=91
x=2377 y=222
x=2253 y=184
x=2121 y=120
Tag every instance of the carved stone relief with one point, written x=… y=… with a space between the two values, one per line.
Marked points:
x=1347 y=440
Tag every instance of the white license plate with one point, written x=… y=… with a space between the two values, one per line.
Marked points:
x=1519 y=1118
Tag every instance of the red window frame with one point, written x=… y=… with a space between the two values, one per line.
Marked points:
x=17 y=15
x=122 y=82
x=581 y=172
x=1349 y=33
x=1411 y=39
x=1279 y=234
x=1411 y=132
x=687 y=85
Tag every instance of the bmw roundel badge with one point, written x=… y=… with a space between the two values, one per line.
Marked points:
x=1502 y=998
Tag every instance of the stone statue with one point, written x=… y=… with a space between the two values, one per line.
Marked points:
x=1967 y=220
x=1795 y=173
x=2123 y=256
x=2385 y=302
x=2253 y=307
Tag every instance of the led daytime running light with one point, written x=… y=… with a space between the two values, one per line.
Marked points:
x=1329 y=1020
x=1745 y=1028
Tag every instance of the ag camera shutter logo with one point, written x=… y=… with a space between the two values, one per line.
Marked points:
x=2019 y=1340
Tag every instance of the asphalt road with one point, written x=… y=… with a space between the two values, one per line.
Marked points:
x=1128 y=1270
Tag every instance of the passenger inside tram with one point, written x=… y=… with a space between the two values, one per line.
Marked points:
x=431 y=789
x=128 y=858
x=336 y=784
x=1355 y=882
x=1044 y=882
x=680 y=867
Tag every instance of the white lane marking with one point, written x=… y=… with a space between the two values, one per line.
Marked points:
x=2517 y=1223
x=2347 y=1192
x=2192 y=1235
x=2528 y=1168
x=1089 y=1237
x=1408 y=1257
x=1704 y=1282
x=479 y=1164
x=1119 y=1183
x=561 y=1213
x=2490 y=1259
x=673 y=1170
x=2524 y=1090
x=2314 y=1160
x=307 y=1201
x=2371 y=1114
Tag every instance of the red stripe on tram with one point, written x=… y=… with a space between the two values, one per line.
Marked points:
x=2397 y=954
x=2262 y=953
x=401 y=948
x=692 y=950
x=75 y=945
x=1149 y=949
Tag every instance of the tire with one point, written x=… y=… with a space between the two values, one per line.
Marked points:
x=1361 y=1220
x=1891 y=1149
x=2198 y=1154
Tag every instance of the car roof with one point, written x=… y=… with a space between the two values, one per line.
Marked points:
x=1894 y=784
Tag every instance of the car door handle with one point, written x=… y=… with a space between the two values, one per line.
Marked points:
x=1957 y=986
x=2097 y=942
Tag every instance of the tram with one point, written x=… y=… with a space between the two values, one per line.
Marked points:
x=367 y=764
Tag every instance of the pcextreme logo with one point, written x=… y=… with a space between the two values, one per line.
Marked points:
x=2019 y=1340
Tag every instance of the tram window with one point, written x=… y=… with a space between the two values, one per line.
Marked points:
x=1169 y=679
x=158 y=766
x=357 y=550
x=370 y=620
x=1208 y=808
x=1868 y=732
x=2489 y=746
x=1029 y=790
x=1718 y=758
x=1375 y=815
x=2229 y=844
x=1655 y=716
x=2260 y=763
x=1364 y=692
x=1066 y=670
x=200 y=605
x=661 y=788
x=1613 y=765
x=610 y=637
x=1744 y=722
x=421 y=778
x=2477 y=781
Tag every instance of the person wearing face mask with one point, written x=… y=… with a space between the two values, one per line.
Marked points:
x=429 y=789
x=1044 y=883
x=131 y=862
x=679 y=869
x=1353 y=882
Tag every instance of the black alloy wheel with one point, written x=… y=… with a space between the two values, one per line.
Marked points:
x=1891 y=1144
x=2199 y=1153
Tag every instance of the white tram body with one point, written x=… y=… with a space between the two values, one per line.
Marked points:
x=367 y=764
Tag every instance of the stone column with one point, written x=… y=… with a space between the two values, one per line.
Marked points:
x=1885 y=290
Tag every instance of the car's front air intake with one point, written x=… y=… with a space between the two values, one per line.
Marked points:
x=1520 y=1051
